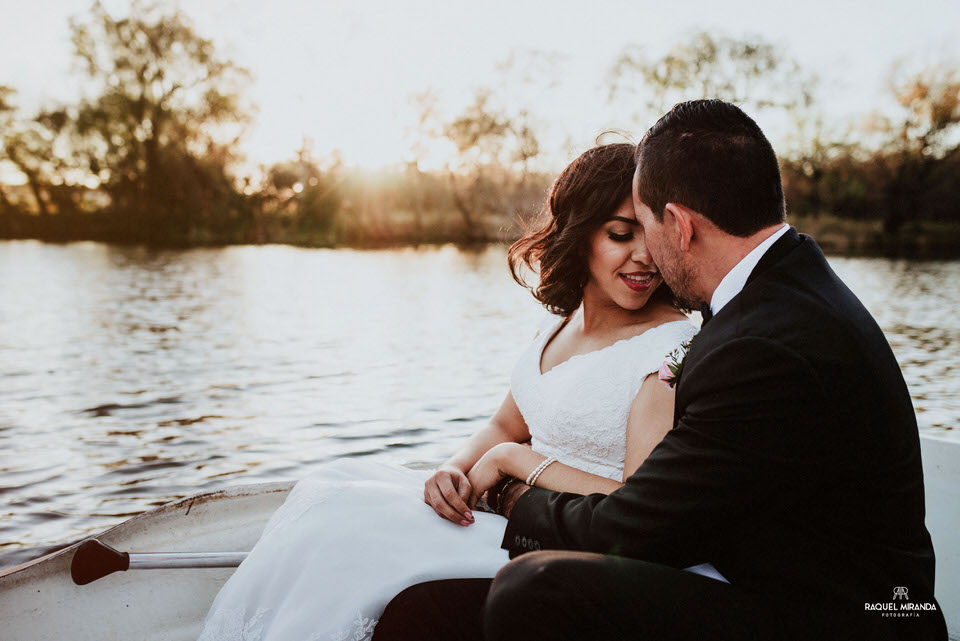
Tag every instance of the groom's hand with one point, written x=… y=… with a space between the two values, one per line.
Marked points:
x=447 y=492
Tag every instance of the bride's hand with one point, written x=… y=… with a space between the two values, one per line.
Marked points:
x=488 y=471
x=448 y=491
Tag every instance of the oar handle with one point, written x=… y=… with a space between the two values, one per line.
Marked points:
x=159 y=560
x=94 y=560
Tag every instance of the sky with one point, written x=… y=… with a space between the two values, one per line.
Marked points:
x=342 y=72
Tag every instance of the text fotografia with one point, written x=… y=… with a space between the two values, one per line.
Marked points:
x=901 y=606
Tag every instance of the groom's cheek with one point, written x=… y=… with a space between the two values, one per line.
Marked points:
x=653 y=247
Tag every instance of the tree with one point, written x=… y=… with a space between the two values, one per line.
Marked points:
x=529 y=76
x=494 y=152
x=162 y=128
x=752 y=73
x=6 y=117
x=304 y=190
x=479 y=134
x=930 y=100
x=920 y=139
x=495 y=145
x=424 y=130
x=34 y=146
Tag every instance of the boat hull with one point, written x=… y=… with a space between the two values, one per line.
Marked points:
x=39 y=601
x=941 y=481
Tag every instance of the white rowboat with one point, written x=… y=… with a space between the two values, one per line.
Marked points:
x=39 y=600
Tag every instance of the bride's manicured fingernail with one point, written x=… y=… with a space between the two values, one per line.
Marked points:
x=464 y=523
x=468 y=515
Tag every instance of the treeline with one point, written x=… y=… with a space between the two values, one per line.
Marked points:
x=151 y=154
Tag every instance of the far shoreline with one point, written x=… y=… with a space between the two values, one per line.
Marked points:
x=920 y=240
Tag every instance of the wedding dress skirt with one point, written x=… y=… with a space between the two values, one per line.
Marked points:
x=349 y=538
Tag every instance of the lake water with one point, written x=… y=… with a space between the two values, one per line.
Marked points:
x=130 y=377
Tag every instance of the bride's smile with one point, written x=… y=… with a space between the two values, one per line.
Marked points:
x=639 y=281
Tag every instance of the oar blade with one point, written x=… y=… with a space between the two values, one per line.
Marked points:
x=94 y=560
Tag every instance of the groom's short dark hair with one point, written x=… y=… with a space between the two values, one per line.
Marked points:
x=711 y=157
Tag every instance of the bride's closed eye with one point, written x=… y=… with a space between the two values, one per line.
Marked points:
x=620 y=238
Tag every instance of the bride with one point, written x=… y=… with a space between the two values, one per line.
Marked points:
x=585 y=394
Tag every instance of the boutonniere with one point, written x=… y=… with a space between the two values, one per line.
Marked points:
x=673 y=365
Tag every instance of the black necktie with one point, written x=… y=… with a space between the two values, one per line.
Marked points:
x=705 y=313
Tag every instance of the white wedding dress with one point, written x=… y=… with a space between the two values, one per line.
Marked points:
x=353 y=534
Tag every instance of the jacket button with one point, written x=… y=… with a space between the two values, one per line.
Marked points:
x=524 y=542
x=516 y=539
x=536 y=545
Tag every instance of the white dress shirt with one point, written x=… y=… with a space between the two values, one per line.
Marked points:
x=737 y=277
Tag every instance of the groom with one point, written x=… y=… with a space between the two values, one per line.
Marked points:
x=793 y=465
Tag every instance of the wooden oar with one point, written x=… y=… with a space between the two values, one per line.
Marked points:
x=94 y=560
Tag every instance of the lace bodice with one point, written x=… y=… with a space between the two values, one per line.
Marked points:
x=578 y=410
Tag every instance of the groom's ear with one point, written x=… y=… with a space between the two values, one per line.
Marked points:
x=682 y=220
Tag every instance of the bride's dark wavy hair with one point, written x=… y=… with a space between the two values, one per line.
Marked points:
x=557 y=245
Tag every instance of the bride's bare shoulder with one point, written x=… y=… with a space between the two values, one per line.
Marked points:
x=672 y=315
x=663 y=315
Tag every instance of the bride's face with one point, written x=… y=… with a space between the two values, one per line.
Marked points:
x=621 y=268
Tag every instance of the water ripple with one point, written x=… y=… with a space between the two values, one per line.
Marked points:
x=133 y=377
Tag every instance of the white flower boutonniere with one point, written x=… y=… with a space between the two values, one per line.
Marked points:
x=673 y=365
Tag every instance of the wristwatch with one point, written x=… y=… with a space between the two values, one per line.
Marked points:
x=495 y=492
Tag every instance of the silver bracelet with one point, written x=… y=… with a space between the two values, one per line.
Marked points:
x=538 y=470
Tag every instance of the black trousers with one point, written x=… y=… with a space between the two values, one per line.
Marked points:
x=553 y=595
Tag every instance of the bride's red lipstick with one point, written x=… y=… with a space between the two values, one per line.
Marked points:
x=638 y=281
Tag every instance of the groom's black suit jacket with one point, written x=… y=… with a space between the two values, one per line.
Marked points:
x=793 y=465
